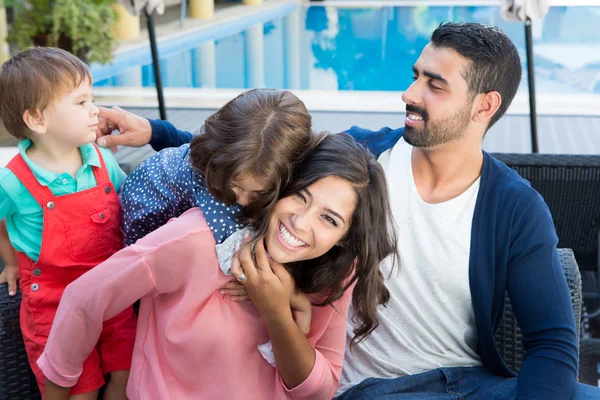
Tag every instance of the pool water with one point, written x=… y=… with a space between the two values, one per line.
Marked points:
x=329 y=48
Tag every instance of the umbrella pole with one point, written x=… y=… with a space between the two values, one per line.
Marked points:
x=156 y=66
x=531 y=81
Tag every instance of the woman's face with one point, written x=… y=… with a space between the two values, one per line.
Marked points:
x=308 y=224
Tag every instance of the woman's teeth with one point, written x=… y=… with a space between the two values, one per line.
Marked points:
x=289 y=238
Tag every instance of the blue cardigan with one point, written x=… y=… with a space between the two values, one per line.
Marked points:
x=513 y=248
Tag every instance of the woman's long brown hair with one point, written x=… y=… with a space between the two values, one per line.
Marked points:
x=370 y=238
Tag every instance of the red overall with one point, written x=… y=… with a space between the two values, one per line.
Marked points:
x=80 y=231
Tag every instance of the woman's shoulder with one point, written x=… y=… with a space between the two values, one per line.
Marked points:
x=189 y=226
x=191 y=221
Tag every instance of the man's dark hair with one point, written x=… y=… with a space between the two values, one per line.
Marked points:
x=494 y=60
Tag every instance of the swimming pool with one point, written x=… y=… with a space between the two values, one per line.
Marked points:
x=349 y=48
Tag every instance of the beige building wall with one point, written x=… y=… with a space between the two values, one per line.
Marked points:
x=4 y=54
x=128 y=26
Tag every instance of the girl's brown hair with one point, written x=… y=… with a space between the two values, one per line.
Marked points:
x=370 y=238
x=263 y=133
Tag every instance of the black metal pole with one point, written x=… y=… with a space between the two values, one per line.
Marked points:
x=156 y=65
x=531 y=81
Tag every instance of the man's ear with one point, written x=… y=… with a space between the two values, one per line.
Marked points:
x=35 y=121
x=488 y=105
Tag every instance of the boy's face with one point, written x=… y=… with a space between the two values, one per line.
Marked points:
x=72 y=118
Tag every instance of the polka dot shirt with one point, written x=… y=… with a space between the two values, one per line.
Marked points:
x=165 y=186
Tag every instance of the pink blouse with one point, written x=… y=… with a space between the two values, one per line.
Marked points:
x=192 y=342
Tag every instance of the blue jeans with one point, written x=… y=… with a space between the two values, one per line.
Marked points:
x=448 y=384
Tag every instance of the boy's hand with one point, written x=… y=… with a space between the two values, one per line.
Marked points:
x=9 y=255
x=135 y=131
x=54 y=392
x=10 y=275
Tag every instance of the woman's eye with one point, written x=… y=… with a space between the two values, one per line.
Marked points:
x=330 y=220
x=301 y=197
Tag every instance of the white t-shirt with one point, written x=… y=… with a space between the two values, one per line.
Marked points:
x=429 y=321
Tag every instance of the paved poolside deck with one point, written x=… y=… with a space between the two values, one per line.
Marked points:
x=557 y=134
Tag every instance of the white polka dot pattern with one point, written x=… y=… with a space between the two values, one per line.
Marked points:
x=165 y=186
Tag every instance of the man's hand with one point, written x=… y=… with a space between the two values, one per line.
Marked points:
x=135 y=131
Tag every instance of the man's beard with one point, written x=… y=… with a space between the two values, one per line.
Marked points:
x=435 y=133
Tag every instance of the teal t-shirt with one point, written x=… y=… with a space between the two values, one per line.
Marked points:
x=24 y=216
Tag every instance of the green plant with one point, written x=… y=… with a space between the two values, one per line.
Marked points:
x=83 y=27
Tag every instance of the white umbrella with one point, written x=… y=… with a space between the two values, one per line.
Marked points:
x=527 y=11
x=135 y=7
x=520 y=10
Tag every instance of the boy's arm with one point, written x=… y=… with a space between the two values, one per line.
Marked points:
x=7 y=252
x=9 y=256
x=54 y=392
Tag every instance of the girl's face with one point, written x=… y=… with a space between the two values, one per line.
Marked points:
x=308 y=224
x=247 y=189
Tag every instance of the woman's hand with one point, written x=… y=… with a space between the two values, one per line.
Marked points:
x=267 y=282
x=270 y=287
x=299 y=302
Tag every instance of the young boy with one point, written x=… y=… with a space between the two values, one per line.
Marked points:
x=58 y=198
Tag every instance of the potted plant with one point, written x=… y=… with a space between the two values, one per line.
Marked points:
x=82 y=27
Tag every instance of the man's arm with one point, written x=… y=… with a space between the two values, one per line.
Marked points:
x=540 y=297
x=377 y=142
x=136 y=131
x=164 y=135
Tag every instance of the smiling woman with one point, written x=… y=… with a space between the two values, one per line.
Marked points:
x=310 y=222
x=192 y=342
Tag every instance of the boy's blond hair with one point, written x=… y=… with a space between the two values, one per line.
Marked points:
x=34 y=78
